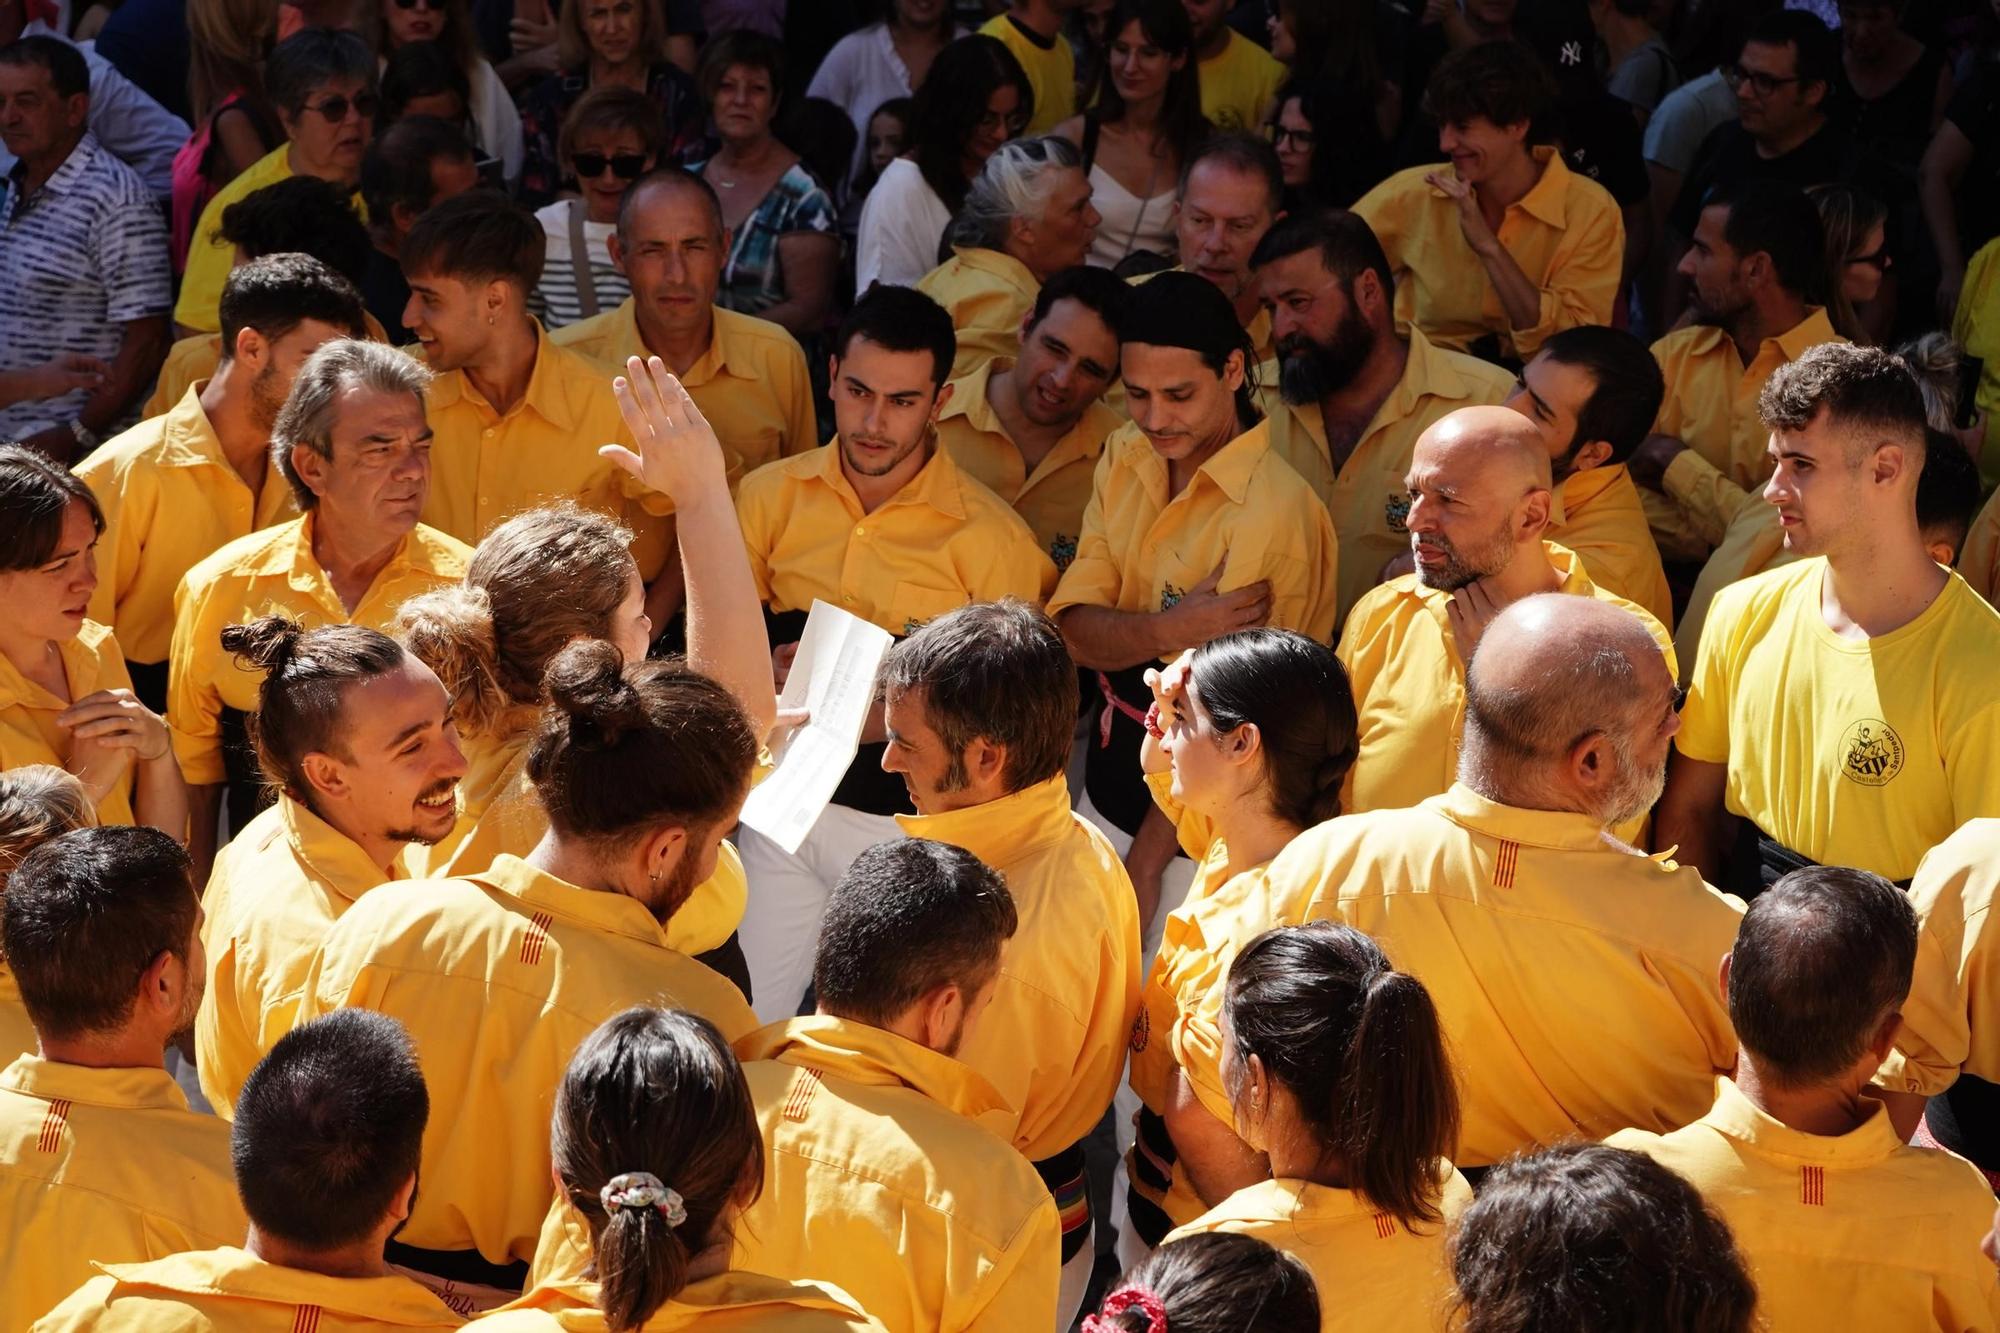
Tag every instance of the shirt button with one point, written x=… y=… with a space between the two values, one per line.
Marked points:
x=489 y=432
x=861 y=532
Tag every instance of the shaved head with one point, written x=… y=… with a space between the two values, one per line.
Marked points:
x=1479 y=484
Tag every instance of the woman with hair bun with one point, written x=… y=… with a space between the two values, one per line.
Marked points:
x=1337 y=1074
x=1247 y=743
x=37 y=802
x=1215 y=1282
x=657 y=1151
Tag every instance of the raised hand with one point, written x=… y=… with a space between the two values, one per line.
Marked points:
x=679 y=455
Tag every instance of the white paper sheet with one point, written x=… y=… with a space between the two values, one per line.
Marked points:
x=834 y=677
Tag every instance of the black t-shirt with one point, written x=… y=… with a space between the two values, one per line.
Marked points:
x=1975 y=109
x=1729 y=155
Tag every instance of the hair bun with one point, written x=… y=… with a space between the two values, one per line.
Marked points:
x=587 y=681
x=267 y=643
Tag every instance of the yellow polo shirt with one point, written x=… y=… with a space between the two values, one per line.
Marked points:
x=1053 y=495
x=986 y=293
x=1366 y=495
x=725 y=1303
x=1976 y=326
x=1854 y=1230
x=209 y=260
x=1408 y=678
x=1574 y=978
x=1338 y=1236
x=1566 y=233
x=268 y=572
x=1238 y=84
x=92 y=661
x=1052 y=1042
x=17 y=1032
x=276 y=889
x=486 y=466
x=196 y=357
x=170 y=497
x=1598 y=514
x=106 y=1165
x=940 y=542
x=1875 y=751
x=1050 y=67
x=1711 y=406
x=751 y=383
x=1947 y=1020
x=499 y=976
x=229 y=1290
x=1244 y=510
x=1979 y=561
x=886 y=1172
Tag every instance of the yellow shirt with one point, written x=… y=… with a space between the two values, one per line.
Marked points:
x=1339 y=1237
x=17 y=1032
x=196 y=357
x=1052 y=1041
x=486 y=466
x=28 y=731
x=886 y=1171
x=751 y=383
x=1409 y=686
x=1597 y=514
x=1565 y=233
x=1574 y=978
x=1711 y=406
x=1876 y=749
x=1052 y=496
x=499 y=976
x=1948 y=1027
x=1238 y=84
x=1366 y=494
x=208 y=259
x=986 y=293
x=106 y=1165
x=725 y=1303
x=1855 y=1230
x=170 y=497
x=266 y=572
x=1244 y=511
x=940 y=542
x=1050 y=67
x=229 y=1290
x=276 y=889
x=1977 y=328
x=1979 y=561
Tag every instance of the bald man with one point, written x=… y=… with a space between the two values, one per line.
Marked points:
x=1574 y=977
x=1479 y=485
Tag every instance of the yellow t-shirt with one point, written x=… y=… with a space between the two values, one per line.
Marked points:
x=1863 y=754
x=1049 y=65
x=885 y=1172
x=1856 y=1230
x=229 y=1290
x=1238 y=83
x=104 y=1165
x=276 y=889
x=1976 y=325
x=940 y=542
x=1245 y=511
x=725 y=1303
x=1366 y=495
x=1948 y=1023
x=987 y=293
x=1566 y=233
x=1339 y=1237
x=499 y=976
x=267 y=572
x=1574 y=978
x=28 y=731
x=208 y=259
x=1052 y=1040
x=1051 y=497
x=1598 y=514
x=169 y=498
x=751 y=383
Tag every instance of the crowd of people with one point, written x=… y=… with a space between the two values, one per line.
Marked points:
x=1437 y=765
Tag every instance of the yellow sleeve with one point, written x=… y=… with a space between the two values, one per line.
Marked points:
x=1704 y=733
x=225 y=1048
x=1197 y=1045
x=1026 y=1278
x=127 y=518
x=1582 y=283
x=194 y=708
x=1364 y=650
x=1936 y=1033
x=1093 y=578
x=1707 y=497
x=752 y=514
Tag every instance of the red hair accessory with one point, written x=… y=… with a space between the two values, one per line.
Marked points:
x=1118 y=1302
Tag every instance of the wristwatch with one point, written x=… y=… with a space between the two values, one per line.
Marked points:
x=86 y=438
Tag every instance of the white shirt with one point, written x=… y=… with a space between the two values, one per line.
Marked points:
x=498 y=121
x=901 y=226
x=861 y=72
x=138 y=131
x=555 y=300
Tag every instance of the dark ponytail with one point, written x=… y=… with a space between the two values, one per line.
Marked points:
x=1359 y=1046
x=306 y=675
x=1214 y=1282
x=1295 y=692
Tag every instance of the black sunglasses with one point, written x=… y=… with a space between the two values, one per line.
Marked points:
x=335 y=109
x=420 y=4
x=625 y=166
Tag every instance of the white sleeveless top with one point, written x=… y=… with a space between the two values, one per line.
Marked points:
x=1129 y=222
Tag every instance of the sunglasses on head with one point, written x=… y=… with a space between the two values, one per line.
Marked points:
x=421 y=4
x=335 y=109
x=625 y=166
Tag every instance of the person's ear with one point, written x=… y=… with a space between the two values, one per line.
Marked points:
x=1232 y=371
x=326 y=775
x=1884 y=1039
x=1722 y=976
x=942 y=1015
x=943 y=396
x=312 y=468
x=1254 y=1094
x=496 y=298
x=1591 y=765
x=1367 y=295
x=617 y=251
x=985 y=761
x=1595 y=454
x=406 y=1197
x=1241 y=746
x=77 y=112
x=1533 y=514
x=661 y=853
x=1890 y=463
x=163 y=983
x=252 y=350
x=1943 y=553
x=1518 y=131
x=1754 y=269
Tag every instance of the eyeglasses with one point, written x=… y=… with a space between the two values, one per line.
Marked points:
x=1879 y=261
x=625 y=166
x=1765 y=84
x=993 y=120
x=421 y=4
x=335 y=109
x=1302 y=138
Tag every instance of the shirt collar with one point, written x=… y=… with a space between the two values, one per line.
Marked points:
x=1735 y=1116
x=82 y=667
x=1547 y=200
x=1555 y=830
x=1002 y=832
x=231 y=1272
x=602 y=910
x=999 y=265
x=863 y=1053
x=1580 y=488
x=331 y=857
x=1289 y=1200
x=1809 y=332
x=124 y=1088
x=187 y=437
x=64 y=177
x=940 y=484
x=290 y=552
x=968 y=397
x=547 y=395
x=1234 y=463
x=1427 y=373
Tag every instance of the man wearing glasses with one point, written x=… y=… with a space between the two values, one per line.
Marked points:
x=323 y=86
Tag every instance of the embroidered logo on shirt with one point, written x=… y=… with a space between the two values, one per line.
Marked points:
x=1385 y=1226
x=1871 y=753
x=538 y=936
x=800 y=1098
x=1170 y=596
x=1812 y=1186
x=1062 y=550
x=306 y=1320
x=1504 y=864
x=52 y=1125
x=1396 y=509
x=1142 y=1031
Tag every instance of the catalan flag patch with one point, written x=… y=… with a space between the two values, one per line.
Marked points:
x=53 y=1121
x=799 y=1100
x=537 y=938
x=1504 y=865
x=1385 y=1226
x=1812 y=1186
x=306 y=1319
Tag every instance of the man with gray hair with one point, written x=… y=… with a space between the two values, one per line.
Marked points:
x=353 y=443
x=1027 y=217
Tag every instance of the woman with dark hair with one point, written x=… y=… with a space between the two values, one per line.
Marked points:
x=1211 y=1283
x=975 y=99
x=1338 y=1082
x=1328 y=154
x=65 y=695
x=1583 y=1238
x=656 y=1151
x=1143 y=123
x=1857 y=259
x=495 y=121
x=884 y=62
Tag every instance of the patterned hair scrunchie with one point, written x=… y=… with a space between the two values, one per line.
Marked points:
x=642 y=1189
x=1118 y=1302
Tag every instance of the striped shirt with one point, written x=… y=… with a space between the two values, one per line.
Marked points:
x=555 y=300
x=79 y=258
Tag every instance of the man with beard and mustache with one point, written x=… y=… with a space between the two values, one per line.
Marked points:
x=355 y=736
x=884 y=1170
x=1574 y=977
x=100 y=1158
x=176 y=487
x=1352 y=395
x=1479 y=506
